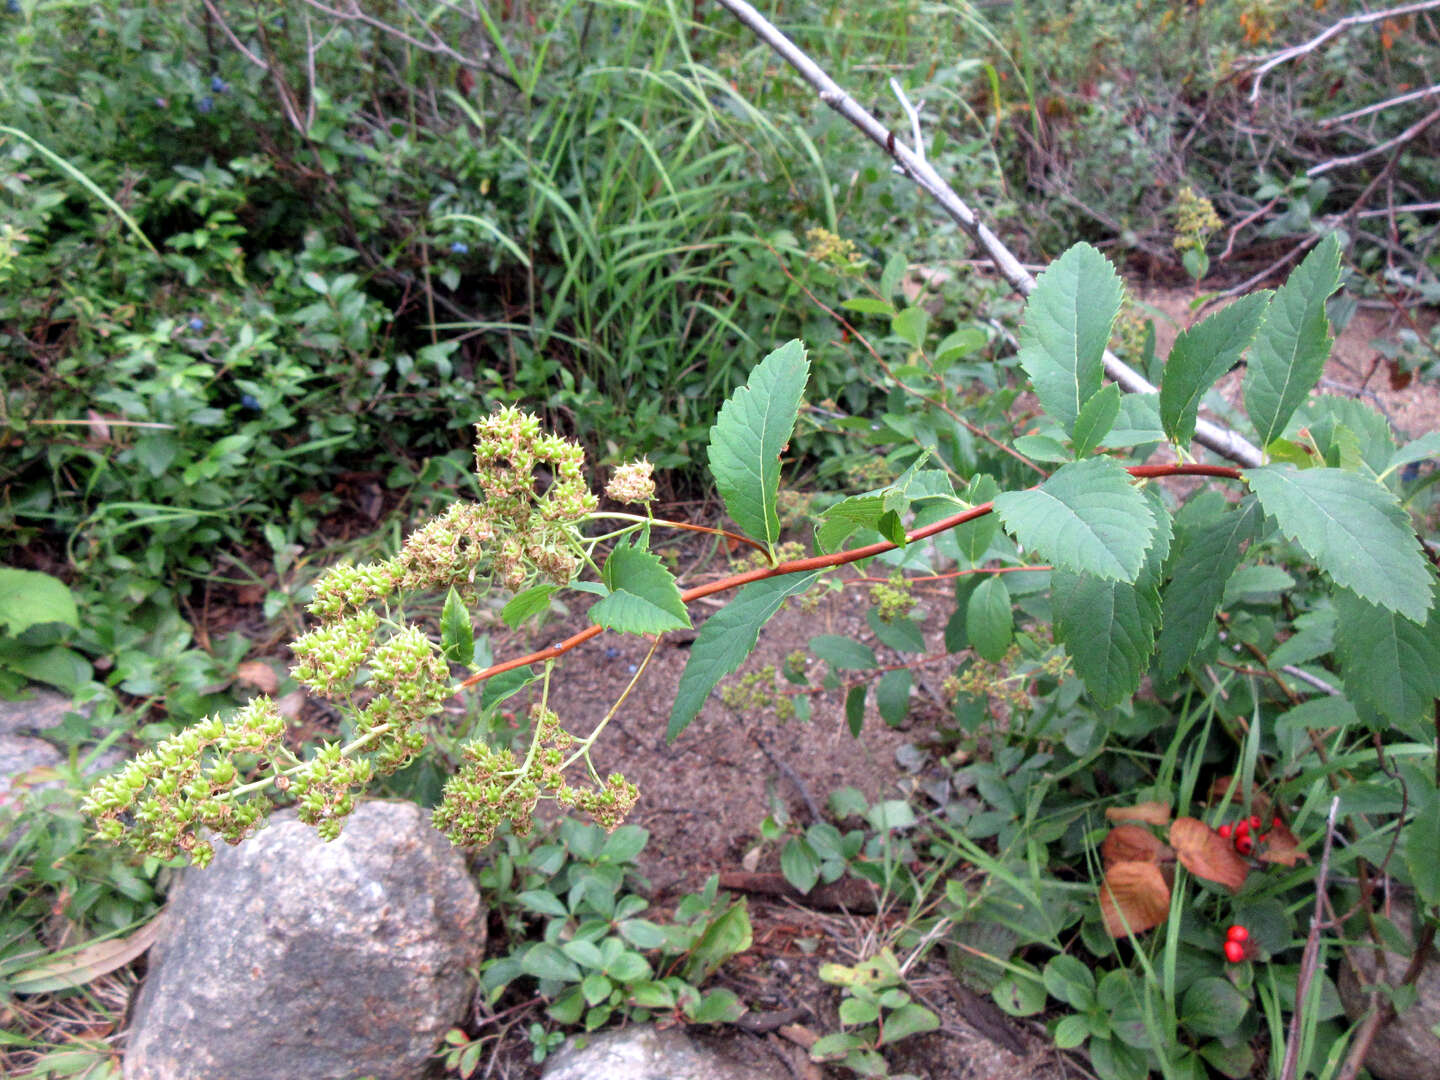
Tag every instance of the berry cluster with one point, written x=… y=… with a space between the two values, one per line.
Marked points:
x=1238 y=946
x=1246 y=833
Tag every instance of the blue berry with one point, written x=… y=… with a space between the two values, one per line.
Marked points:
x=250 y=401
x=197 y=324
x=205 y=104
x=459 y=247
x=12 y=6
x=218 y=84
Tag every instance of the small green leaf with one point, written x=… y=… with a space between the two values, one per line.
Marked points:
x=1422 y=834
x=868 y=305
x=908 y=1019
x=526 y=605
x=1236 y=1062
x=1354 y=529
x=542 y=903
x=1293 y=343
x=989 y=619
x=893 y=274
x=1212 y=1006
x=904 y=635
x=750 y=433
x=29 y=598
x=1087 y=517
x=1097 y=417
x=842 y=653
x=1070 y=1032
x=457 y=635
x=719 y=1006
x=855 y=709
x=1200 y=356
x=909 y=326
x=644 y=598
x=974 y=536
x=1065 y=329
x=726 y=936
x=726 y=639
x=545 y=961
x=800 y=864
x=1019 y=996
x=1069 y=980
x=892 y=696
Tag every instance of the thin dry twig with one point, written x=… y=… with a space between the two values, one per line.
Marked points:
x=1309 y=959
x=1410 y=134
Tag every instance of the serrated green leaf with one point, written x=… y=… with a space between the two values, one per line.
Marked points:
x=855 y=710
x=1109 y=627
x=1206 y=555
x=1427 y=446
x=29 y=598
x=1354 y=529
x=843 y=653
x=1043 y=448
x=1087 y=517
x=1293 y=342
x=753 y=427
x=892 y=696
x=526 y=605
x=1201 y=355
x=726 y=639
x=1066 y=326
x=989 y=619
x=457 y=635
x=1137 y=424
x=1389 y=662
x=644 y=598
x=1097 y=417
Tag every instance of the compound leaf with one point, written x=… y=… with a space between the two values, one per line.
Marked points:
x=726 y=639
x=1293 y=342
x=1354 y=529
x=1087 y=517
x=644 y=598
x=1065 y=329
x=753 y=427
x=1201 y=355
x=1109 y=627
x=1389 y=662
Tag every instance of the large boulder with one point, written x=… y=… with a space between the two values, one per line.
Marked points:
x=290 y=957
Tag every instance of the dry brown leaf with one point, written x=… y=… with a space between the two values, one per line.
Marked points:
x=86 y=964
x=1205 y=853
x=258 y=674
x=1151 y=813
x=1259 y=801
x=1134 y=895
x=290 y=705
x=1133 y=843
x=1282 y=846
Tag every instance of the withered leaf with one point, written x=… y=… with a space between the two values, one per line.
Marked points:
x=1281 y=846
x=258 y=674
x=1151 y=813
x=1134 y=894
x=1205 y=853
x=1259 y=801
x=1133 y=843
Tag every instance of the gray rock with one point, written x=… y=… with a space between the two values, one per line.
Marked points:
x=41 y=711
x=1407 y=1047
x=289 y=957
x=642 y=1052
x=19 y=754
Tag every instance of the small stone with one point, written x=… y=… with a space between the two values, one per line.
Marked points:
x=290 y=957
x=641 y=1052
x=1407 y=1047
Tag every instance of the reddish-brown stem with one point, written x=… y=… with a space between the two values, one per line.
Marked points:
x=825 y=562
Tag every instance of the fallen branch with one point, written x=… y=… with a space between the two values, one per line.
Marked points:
x=912 y=163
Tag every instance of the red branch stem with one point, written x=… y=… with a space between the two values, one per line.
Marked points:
x=825 y=562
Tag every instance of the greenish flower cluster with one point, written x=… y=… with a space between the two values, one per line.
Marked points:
x=387 y=677
x=892 y=600
x=632 y=483
x=189 y=782
x=836 y=251
x=1195 y=219
x=492 y=787
x=756 y=692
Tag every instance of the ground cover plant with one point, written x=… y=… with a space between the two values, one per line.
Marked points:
x=1237 y=663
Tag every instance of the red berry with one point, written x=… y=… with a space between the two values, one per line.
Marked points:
x=1234 y=951
x=1244 y=845
x=1277 y=824
x=1224 y=831
x=1254 y=821
x=1242 y=829
x=1237 y=933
